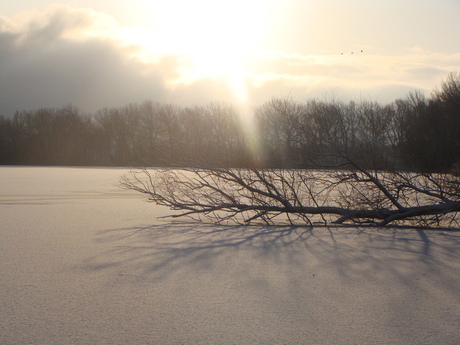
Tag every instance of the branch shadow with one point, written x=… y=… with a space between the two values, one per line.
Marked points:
x=161 y=249
x=189 y=250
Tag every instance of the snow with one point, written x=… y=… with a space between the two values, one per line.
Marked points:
x=85 y=262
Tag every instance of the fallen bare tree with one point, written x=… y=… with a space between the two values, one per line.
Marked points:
x=346 y=143
x=354 y=196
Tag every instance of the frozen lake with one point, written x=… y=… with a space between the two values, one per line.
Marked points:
x=84 y=262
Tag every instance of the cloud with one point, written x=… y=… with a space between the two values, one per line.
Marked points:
x=55 y=58
x=65 y=55
x=352 y=76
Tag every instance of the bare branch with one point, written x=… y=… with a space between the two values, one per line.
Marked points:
x=341 y=197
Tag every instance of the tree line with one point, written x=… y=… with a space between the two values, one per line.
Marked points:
x=416 y=133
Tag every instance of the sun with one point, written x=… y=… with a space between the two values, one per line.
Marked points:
x=214 y=37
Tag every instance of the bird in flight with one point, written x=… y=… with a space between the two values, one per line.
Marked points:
x=362 y=51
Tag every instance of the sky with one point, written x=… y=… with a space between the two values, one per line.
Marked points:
x=96 y=54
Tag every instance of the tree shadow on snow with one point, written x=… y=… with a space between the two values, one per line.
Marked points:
x=154 y=252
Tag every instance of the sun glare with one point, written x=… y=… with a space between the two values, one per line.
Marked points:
x=212 y=39
x=215 y=37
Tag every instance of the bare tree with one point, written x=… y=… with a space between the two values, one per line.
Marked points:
x=352 y=196
x=279 y=130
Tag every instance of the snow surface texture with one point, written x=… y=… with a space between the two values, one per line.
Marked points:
x=84 y=262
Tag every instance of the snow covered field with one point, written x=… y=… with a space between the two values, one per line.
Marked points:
x=84 y=262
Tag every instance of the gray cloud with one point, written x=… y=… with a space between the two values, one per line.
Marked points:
x=41 y=68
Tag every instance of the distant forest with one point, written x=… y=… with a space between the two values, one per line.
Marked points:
x=416 y=133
